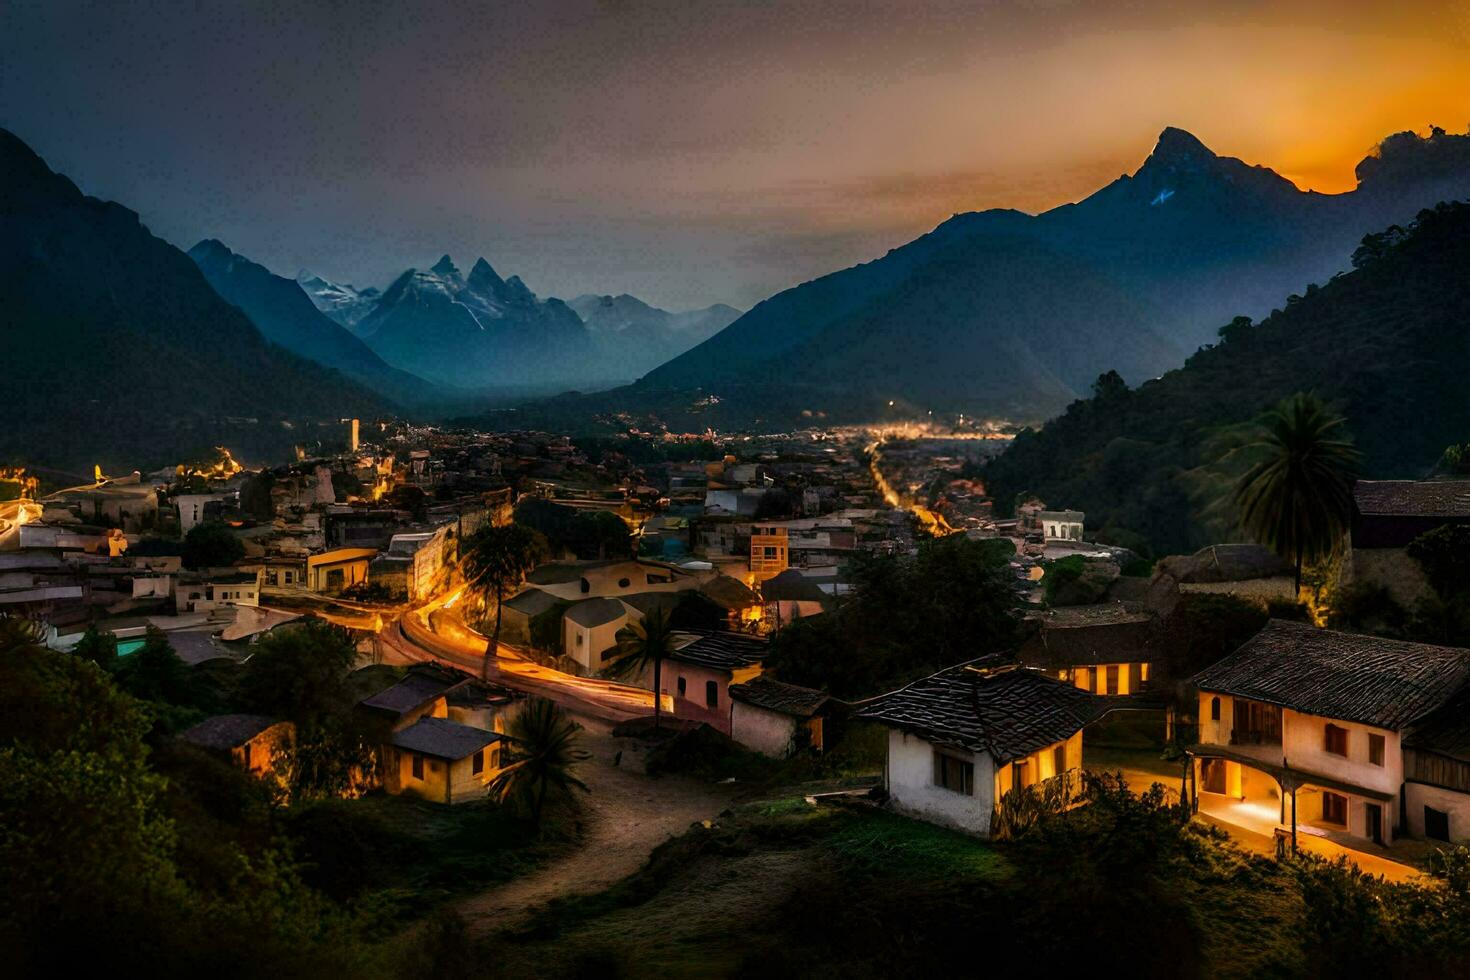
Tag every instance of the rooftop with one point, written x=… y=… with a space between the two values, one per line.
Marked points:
x=1412 y=498
x=1367 y=679
x=987 y=705
x=443 y=739
x=596 y=612
x=531 y=602
x=773 y=695
x=226 y=731
x=721 y=650
x=418 y=688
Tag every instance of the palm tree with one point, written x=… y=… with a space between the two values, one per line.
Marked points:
x=1298 y=500
x=495 y=559
x=646 y=643
x=21 y=635
x=545 y=743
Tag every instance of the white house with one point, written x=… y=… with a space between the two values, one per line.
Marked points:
x=1061 y=525
x=777 y=719
x=1335 y=734
x=959 y=740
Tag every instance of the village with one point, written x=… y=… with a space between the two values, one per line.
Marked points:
x=652 y=579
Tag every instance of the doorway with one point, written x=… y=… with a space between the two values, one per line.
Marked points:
x=1374 y=813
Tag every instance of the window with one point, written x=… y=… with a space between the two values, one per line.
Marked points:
x=1059 y=758
x=1214 y=709
x=771 y=553
x=1020 y=773
x=683 y=687
x=712 y=693
x=1375 y=749
x=586 y=586
x=477 y=763
x=624 y=583
x=1112 y=678
x=1337 y=740
x=954 y=774
x=1436 y=824
x=418 y=767
x=580 y=638
x=1334 y=808
x=248 y=747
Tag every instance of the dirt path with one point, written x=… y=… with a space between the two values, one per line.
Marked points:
x=627 y=815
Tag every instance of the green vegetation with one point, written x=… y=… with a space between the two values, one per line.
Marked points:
x=211 y=545
x=545 y=742
x=907 y=615
x=1384 y=343
x=495 y=560
x=642 y=645
x=1298 y=499
x=591 y=534
x=1442 y=617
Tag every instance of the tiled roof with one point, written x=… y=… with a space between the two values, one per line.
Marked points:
x=531 y=602
x=596 y=612
x=1412 y=498
x=1095 y=634
x=416 y=689
x=987 y=705
x=226 y=731
x=443 y=739
x=773 y=695
x=1366 y=679
x=721 y=650
x=1227 y=563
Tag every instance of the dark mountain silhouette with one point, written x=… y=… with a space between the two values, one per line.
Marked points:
x=1386 y=344
x=1003 y=313
x=632 y=337
x=282 y=311
x=478 y=331
x=118 y=352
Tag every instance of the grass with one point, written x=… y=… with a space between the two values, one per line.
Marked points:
x=410 y=854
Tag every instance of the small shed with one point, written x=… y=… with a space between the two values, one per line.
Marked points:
x=442 y=761
x=777 y=719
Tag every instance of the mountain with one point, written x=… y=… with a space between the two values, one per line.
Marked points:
x=283 y=313
x=1004 y=313
x=343 y=302
x=1387 y=344
x=633 y=337
x=118 y=352
x=478 y=331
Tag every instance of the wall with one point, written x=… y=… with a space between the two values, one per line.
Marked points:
x=464 y=784
x=398 y=776
x=693 y=704
x=1417 y=796
x=1391 y=568
x=1040 y=765
x=588 y=652
x=1303 y=738
x=768 y=732
x=1258 y=590
x=1094 y=677
x=909 y=777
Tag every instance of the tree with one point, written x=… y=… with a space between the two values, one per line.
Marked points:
x=495 y=559
x=155 y=673
x=19 y=634
x=299 y=673
x=211 y=545
x=642 y=644
x=1297 y=499
x=547 y=752
x=98 y=647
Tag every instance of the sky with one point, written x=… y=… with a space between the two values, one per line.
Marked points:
x=685 y=151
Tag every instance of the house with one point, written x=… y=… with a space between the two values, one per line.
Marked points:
x=1109 y=648
x=210 y=590
x=441 y=761
x=701 y=669
x=777 y=719
x=961 y=739
x=1247 y=571
x=576 y=580
x=1061 y=525
x=421 y=693
x=416 y=562
x=769 y=556
x=260 y=745
x=1387 y=516
x=196 y=508
x=589 y=632
x=1338 y=734
x=521 y=612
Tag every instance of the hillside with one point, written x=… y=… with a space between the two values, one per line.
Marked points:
x=285 y=315
x=1004 y=313
x=1386 y=343
x=632 y=337
x=118 y=352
